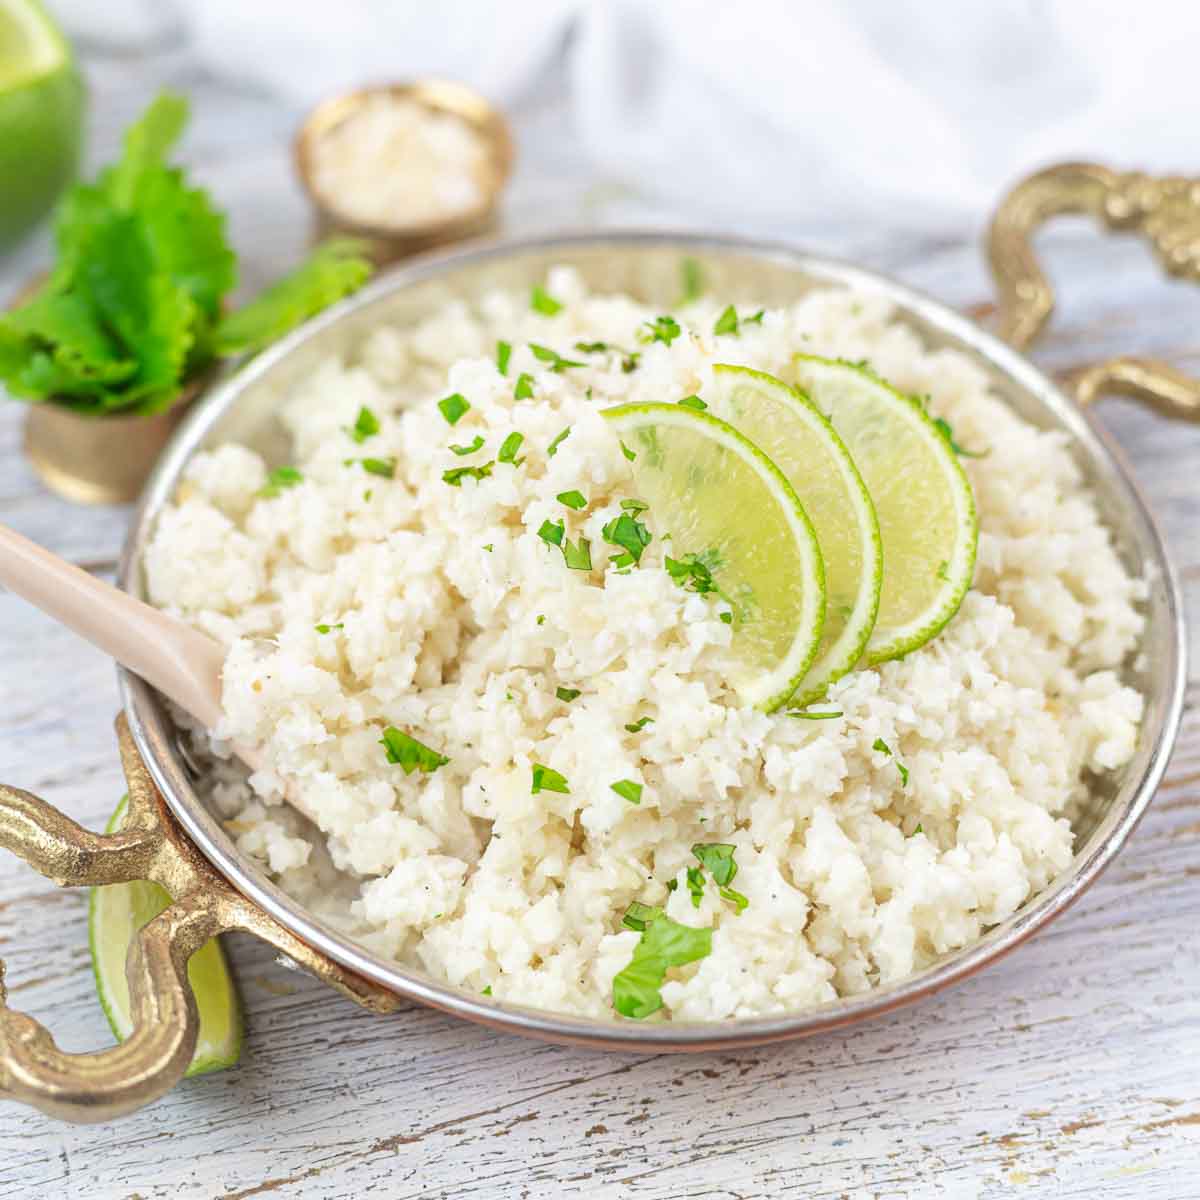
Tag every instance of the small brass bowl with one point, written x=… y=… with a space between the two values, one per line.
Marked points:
x=394 y=241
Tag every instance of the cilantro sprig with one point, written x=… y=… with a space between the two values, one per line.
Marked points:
x=136 y=305
x=730 y=323
x=553 y=359
x=662 y=329
x=279 y=480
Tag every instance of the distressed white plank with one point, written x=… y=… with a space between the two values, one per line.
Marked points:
x=1066 y=1069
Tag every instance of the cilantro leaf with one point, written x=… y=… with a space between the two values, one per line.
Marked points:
x=944 y=428
x=552 y=449
x=664 y=944
x=385 y=468
x=455 y=475
x=463 y=451
x=503 y=354
x=727 y=893
x=279 y=480
x=334 y=269
x=547 y=780
x=638 y=916
x=882 y=746
x=717 y=858
x=567 y=694
x=629 y=533
x=366 y=425
x=695 y=885
x=556 y=360
x=634 y=506
x=552 y=532
x=661 y=329
x=508 y=449
x=329 y=628
x=631 y=455
x=727 y=322
x=693 y=402
x=524 y=388
x=577 y=556
x=454 y=407
x=542 y=302
x=804 y=715
x=638 y=725
x=407 y=753
x=572 y=499
x=628 y=789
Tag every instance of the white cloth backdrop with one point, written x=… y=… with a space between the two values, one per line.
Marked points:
x=920 y=110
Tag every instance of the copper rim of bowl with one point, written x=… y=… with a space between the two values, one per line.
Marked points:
x=1165 y=650
x=440 y=95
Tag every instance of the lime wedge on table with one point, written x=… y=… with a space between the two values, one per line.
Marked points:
x=922 y=497
x=719 y=497
x=41 y=115
x=115 y=914
x=803 y=445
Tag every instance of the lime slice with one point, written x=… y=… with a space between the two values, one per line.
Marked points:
x=115 y=913
x=803 y=445
x=922 y=498
x=41 y=115
x=718 y=496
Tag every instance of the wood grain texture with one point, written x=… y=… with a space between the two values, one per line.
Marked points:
x=1067 y=1070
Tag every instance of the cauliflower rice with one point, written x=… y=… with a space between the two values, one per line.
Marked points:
x=449 y=618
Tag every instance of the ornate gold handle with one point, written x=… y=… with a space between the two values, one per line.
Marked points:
x=1165 y=210
x=109 y=1083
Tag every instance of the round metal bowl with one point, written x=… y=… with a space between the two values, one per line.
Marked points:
x=242 y=408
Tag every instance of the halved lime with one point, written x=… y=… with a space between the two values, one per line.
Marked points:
x=798 y=439
x=115 y=914
x=719 y=497
x=41 y=115
x=921 y=494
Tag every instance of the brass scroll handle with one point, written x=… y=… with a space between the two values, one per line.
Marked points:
x=109 y=1083
x=1165 y=210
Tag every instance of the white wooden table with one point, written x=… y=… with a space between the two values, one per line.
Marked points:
x=1069 y=1069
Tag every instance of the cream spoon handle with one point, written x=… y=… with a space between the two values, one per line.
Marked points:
x=181 y=663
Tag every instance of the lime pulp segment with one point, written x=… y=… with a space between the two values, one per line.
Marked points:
x=116 y=912
x=926 y=511
x=718 y=496
x=803 y=445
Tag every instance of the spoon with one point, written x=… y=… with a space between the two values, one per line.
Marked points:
x=175 y=659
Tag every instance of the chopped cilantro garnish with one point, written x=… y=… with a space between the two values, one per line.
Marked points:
x=462 y=451
x=638 y=725
x=567 y=694
x=593 y=347
x=487 y=991
x=556 y=360
x=943 y=427
x=409 y=754
x=695 y=885
x=541 y=618
x=692 y=572
x=552 y=532
x=547 y=780
x=552 y=449
x=638 y=916
x=278 y=480
x=727 y=893
x=919 y=829
x=693 y=280
x=631 y=455
x=730 y=322
x=509 y=447
x=727 y=322
x=503 y=354
x=489 y=547
x=542 y=302
x=903 y=774
x=634 y=506
x=693 y=402
x=804 y=715
x=383 y=467
x=455 y=475
x=524 y=388
x=630 y=534
x=661 y=329
x=629 y=790
x=578 y=556
x=717 y=857
x=367 y=425
x=882 y=746
x=726 y=617
x=329 y=628
x=630 y=362
x=453 y=407
x=572 y=499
